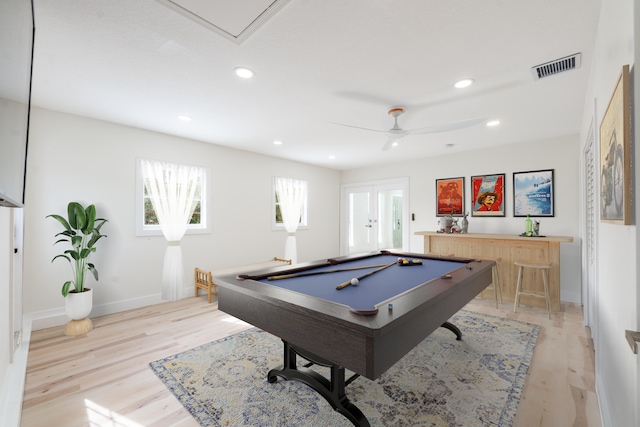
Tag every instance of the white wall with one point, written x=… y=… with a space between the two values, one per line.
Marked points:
x=78 y=159
x=6 y=331
x=617 y=245
x=561 y=154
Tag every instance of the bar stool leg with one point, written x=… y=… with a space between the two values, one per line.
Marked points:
x=496 y=284
x=516 y=303
x=547 y=297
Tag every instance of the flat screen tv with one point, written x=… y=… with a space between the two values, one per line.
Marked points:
x=16 y=59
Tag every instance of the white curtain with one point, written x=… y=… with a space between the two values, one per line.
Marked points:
x=172 y=188
x=292 y=194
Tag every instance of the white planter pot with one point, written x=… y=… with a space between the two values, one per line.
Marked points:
x=79 y=305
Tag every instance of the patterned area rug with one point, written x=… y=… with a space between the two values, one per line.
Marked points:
x=441 y=382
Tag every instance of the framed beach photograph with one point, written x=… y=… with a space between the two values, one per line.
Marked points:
x=450 y=197
x=615 y=155
x=487 y=195
x=533 y=193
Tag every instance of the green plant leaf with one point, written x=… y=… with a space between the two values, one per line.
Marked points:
x=71 y=214
x=90 y=215
x=84 y=253
x=61 y=220
x=65 y=288
x=93 y=270
x=96 y=236
x=61 y=256
x=75 y=255
x=76 y=241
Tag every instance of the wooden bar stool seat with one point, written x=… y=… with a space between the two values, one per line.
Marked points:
x=544 y=269
x=495 y=279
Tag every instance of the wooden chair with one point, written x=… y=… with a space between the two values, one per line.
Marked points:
x=544 y=268
x=204 y=281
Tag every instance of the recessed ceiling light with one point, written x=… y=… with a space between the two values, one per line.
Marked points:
x=277 y=142
x=463 y=83
x=245 y=73
x=493 y=123
x=184 y=118
x=332 y=157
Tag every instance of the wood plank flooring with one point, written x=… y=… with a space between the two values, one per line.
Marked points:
x=102 y=378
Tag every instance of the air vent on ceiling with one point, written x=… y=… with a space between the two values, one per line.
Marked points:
x=557 y=66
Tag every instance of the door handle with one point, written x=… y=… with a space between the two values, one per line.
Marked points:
x=633 y=338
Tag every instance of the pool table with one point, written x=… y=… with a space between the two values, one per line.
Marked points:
x=364 y=327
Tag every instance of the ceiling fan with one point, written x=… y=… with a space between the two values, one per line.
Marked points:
x=396 y=132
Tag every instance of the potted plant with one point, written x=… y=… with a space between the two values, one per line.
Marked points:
x=81 y=231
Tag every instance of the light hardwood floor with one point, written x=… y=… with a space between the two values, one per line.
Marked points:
x=102 y=378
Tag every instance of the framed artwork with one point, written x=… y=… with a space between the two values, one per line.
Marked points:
x=450 y=197
x=487 y=195
x=533 y=193
x=615 y=155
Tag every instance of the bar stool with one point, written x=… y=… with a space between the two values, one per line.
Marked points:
x=495 y=279
x=544 y=268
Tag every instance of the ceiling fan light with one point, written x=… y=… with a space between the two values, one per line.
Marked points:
x=463 y=83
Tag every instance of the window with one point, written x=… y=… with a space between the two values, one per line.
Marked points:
x=278 y=223
x=146 y=218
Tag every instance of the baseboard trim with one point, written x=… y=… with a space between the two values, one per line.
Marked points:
x=573 y=297
x=57 y=316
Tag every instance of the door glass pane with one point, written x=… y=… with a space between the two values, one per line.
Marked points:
x=389 y=219
x=359 y=222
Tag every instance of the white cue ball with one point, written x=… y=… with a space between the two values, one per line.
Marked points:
x=354 y=282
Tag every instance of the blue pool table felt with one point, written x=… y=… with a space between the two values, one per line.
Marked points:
x=372 y=290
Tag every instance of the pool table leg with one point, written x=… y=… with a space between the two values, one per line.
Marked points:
x=453 y=328
x=332 y=390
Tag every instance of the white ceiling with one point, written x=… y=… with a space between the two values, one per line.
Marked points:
x=141 y=63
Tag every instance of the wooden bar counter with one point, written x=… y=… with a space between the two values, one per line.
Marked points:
x=509 y=248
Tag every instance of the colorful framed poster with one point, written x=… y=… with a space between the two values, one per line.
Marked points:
x=533 y=193
x=450 y=197
x=615 y=155
x=487 y=195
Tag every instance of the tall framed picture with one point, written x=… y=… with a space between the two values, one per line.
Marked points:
x=487 y=195
x=450 y=196
x=615 y=155
x=533 y=193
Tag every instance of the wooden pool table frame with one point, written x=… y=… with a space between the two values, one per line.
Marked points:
x=330 y=334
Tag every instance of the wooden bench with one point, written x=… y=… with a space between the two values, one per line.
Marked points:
x=205 y=280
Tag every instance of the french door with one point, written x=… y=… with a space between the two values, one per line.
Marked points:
x=375 y=216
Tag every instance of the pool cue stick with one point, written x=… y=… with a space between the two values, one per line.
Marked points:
x=312 y=273
x=345 y=284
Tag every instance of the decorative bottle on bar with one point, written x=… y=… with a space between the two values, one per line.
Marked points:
x=528 y=226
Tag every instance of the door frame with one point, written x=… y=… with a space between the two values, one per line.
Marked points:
x=401 y=183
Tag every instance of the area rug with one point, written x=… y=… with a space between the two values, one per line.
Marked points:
x=441 y=382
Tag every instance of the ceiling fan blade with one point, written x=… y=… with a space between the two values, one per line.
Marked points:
x=390 y=142
x=358 y=127
x=448 y=126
